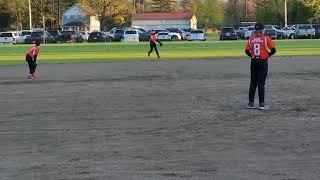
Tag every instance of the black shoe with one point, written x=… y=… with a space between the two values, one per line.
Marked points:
x=263 y=106
x=158 y=57
x=251 y=105
x=148 y=54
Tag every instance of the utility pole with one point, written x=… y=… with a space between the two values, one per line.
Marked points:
x=59 y=16
x=285 y=13
x=30 y=16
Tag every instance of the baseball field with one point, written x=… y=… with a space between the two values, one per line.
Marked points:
x=57 y=53
x=182 y=118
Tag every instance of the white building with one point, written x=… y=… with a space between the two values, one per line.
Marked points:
x=77 y=18
x=165 y=20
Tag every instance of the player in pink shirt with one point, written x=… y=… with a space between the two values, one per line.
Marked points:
x=31 y=58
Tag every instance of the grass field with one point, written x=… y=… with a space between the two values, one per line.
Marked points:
x=57 y=53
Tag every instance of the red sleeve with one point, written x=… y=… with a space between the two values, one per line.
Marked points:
x=248 y=47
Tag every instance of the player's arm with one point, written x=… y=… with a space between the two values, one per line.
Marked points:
x=159 y=42
x=271 y=46
x=247 y=50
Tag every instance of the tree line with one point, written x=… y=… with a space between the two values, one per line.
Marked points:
x=210 y=13
x=272 y=11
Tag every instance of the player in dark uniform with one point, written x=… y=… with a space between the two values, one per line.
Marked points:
x=258 y=50
x=153 y=45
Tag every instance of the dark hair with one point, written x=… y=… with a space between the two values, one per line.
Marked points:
x=38 y=43
x=259 y=26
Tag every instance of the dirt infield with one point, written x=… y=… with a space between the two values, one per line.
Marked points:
x=158 y=121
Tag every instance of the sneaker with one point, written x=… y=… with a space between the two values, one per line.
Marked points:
x=30 y=76
x=263 y=106
x=251 y=105
x=34 y=76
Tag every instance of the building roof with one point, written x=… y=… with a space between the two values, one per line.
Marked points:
x=163 y=16
x=83 y=8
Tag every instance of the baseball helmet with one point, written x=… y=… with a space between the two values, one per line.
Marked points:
x=259 y=26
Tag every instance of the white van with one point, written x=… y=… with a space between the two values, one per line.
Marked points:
x=131 y=36
x=164 y=36
x=197 y=35
x=10 y=38
x=23 y=36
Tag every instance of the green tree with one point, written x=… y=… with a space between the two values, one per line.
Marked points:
x=18 y=9
x=209 y=13
x=110 y=12
x=298 y=13
x=315 y=6
x=271 y=11
x=189 y=5
x=4 y=17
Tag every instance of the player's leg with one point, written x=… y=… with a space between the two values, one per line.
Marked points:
x=262 y=76
x=34 y=69
x=151 y=49
x=156 y=49
x=31 y=65
x=253 y=82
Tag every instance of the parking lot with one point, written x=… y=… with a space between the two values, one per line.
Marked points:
x=299 y=31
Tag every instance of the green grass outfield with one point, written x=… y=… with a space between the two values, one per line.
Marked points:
x=57 y=53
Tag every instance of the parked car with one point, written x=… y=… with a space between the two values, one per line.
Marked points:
x=240 y=32
x=182 y=33
x=10 y=38
x=164 y=36
x=188 y=32
x=228 y=33
x=144 y=35
x=289 y=31
x=98 y=37
x=317 y=30
x=130 y=35
x=84 y=35
x=67 y=37
x=24 y=34
x=197 y=35
x=271 y=31
x=54 y=33
x=248 y=32
x=304 y=31
x=280 y=34
x=173 y=36
x=40 y=36
x=116 y=34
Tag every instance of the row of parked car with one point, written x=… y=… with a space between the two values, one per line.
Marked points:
x=51 y=36
x=136 y=34
x=298 y=31
x=132 y=34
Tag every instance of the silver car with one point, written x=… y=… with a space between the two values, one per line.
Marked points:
x=305 y=31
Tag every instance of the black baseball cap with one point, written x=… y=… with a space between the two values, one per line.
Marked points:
x=259 y=26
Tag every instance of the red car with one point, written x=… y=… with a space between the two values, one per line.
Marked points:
x=316 y=28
